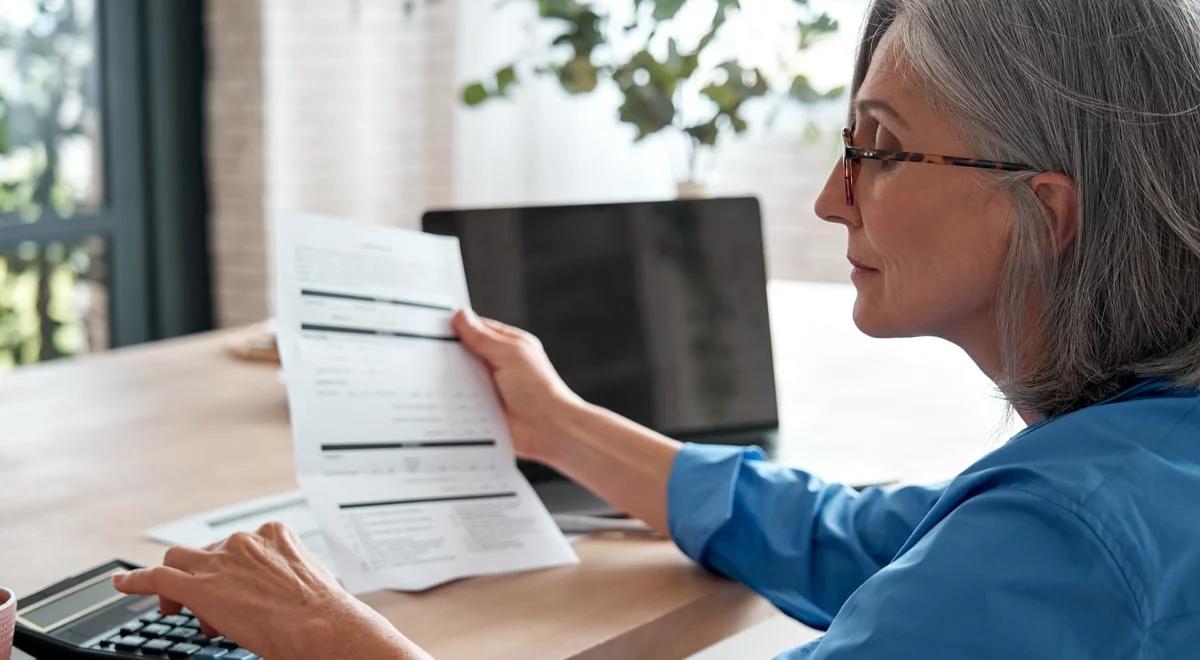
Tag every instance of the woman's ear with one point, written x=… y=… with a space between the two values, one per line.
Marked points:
x=1059 y=195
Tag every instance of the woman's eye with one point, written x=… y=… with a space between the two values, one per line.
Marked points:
x=885 y=140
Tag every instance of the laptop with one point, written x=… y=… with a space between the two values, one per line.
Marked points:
x=655 y=310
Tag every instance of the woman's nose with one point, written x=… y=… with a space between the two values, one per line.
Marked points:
x=831 y=203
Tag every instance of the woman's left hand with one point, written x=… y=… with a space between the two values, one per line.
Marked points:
x=266 y=592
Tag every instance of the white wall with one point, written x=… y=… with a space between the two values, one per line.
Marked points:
x=358 y=98
x=340 y=107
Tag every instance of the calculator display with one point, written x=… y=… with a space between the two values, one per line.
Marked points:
x=60 y=609
x=83 y=616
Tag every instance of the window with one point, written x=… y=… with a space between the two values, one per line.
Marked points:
x=101 y=191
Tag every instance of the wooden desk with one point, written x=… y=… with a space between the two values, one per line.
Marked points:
x=94 y=451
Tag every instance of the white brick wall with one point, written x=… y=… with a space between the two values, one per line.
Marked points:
x=786 y=172
x=235 y=159
x=358 y=104
x=327 y=106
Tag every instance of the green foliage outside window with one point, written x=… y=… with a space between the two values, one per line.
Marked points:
x=53 y=301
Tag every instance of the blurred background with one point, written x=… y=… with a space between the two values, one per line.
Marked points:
x=145 y=145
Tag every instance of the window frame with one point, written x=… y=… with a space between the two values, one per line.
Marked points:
x=154 y=211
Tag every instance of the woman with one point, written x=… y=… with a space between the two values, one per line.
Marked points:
x=1067 y=266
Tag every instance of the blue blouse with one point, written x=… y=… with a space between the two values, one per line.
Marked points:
x=1079 y=538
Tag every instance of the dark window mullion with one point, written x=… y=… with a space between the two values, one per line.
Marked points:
x=121 y=38
x=14 y=220
x=48 y=229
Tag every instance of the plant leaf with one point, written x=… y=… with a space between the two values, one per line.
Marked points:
x=474 y=94
x=809 y=32
x=740 y=85
x=647 y=107
x=802 y=90
x=505 y=78
x=578 y=75
x=678 y=65
x=705 y=133
x=736 y=89
x=583 y=33
x=665 y=10
x=567 y=10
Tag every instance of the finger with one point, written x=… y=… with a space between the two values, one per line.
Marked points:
x=168 y=606
x=290 y=546
x=282 y=538
x=273 y=530
x=207 y=630
x=477 y=337
x=504 y=329
x=171 y=585
x=188 y=560
x=215 y=546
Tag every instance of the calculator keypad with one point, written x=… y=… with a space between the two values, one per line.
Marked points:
x=171 y=636
x=157 y=647
x=154 y=630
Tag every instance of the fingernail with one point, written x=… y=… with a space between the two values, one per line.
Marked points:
x=470 y=316
x=118 y=578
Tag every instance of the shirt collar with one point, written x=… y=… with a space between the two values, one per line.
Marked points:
x=1143 y=387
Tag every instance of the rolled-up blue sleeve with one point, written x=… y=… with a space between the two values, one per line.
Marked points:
x=802 y=543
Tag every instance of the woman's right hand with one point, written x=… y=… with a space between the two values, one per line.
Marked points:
x=538 y=405
x=268 y=593
x=624 y=463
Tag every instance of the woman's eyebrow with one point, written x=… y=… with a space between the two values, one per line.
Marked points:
x=871 y=106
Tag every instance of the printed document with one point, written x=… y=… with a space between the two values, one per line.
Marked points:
x=400 y=443
x=203 y=529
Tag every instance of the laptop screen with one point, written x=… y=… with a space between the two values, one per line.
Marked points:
x=656 y=310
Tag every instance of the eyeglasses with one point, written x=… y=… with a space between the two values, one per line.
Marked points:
x=853 y=157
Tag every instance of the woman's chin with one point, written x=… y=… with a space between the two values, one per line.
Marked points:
x=871 y=322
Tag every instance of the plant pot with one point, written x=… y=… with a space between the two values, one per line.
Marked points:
x=691 y=190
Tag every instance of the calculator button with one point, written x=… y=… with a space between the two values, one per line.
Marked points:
x=182 y=650
x=105 y=643
x=174 y=620
x=131 y=627
x=128 y=642
x=157 y=647
x=181 y=634
x=192 y=622
x=239 y=654
x=155 y=630
x=211 y=653
x=150 y=617
x=225 y=642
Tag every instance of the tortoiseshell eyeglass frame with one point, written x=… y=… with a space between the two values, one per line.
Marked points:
x=852 y=156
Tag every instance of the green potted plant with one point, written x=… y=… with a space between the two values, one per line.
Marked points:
x=689 y=85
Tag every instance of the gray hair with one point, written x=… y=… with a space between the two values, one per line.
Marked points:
x=1107 y=92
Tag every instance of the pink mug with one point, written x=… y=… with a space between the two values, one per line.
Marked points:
x=8 y=622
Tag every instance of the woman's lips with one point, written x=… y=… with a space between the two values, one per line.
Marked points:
x=858 y=265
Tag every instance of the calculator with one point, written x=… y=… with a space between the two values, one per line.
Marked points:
x=85 y=617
